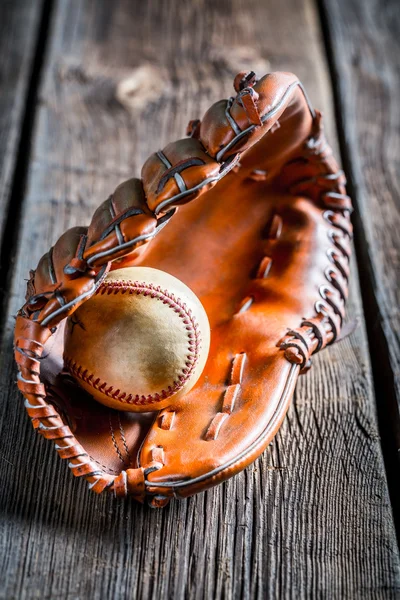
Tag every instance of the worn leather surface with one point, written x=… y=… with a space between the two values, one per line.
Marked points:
x=251 y=213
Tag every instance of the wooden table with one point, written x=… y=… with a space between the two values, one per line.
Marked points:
x=88 y=89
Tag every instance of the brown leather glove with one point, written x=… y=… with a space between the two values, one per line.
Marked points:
x=251 y=212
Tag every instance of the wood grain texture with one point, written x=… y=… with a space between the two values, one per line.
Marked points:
x=311 y=518
x=19 y=27
x=365 y=46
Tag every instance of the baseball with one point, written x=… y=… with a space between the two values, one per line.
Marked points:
x=140 y=341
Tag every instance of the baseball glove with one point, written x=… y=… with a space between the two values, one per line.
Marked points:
x=251 y=212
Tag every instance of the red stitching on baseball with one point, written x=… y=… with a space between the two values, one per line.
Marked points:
x=191 y=326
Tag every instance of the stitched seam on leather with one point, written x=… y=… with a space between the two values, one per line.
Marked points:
x=122 y=432
x=191 y=326
x=111 y=471
x=315 y=335
x=117 y=450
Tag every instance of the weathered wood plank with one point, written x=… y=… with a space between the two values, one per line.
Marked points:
x=19 y=29
x=312 y=517
x=365 y=52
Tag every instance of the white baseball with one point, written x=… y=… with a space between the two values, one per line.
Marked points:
x=140 y=341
